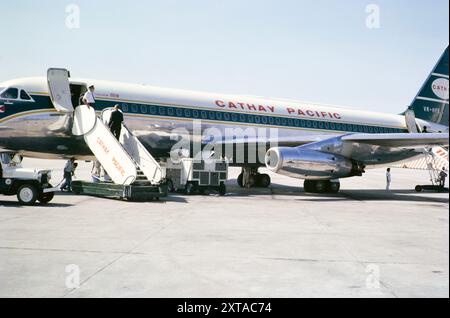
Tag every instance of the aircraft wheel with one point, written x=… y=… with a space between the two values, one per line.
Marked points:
x=322 y=186
x=252 y=181
x=27 y=194
x=308 y=186
x=264 y=180
x=240 y=180
x=335 y=187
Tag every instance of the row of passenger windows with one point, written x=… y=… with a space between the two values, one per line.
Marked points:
x=253 y=119
x=15 y=93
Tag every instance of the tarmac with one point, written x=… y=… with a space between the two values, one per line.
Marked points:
x=275 y=242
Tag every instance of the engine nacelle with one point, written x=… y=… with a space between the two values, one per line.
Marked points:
x=308 y=164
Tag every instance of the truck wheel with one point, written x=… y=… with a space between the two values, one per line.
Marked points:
x=222 y=189
x=418 y=188
x=46 y=197
x=27 y=194
x=170 y=186
x=191 y=188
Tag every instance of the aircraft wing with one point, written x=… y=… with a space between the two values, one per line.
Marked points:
x=369 y=149
x=285 y=141
x=407 y=141
x=402 y=140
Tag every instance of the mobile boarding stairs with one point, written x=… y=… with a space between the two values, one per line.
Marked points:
x=135 y=174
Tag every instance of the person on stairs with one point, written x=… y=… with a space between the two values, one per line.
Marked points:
x=89 y=97
x=115 y=122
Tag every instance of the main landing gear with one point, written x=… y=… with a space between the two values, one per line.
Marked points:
x=251 y=178
x=322 y=186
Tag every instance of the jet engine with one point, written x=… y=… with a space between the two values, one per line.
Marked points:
x=309 y=164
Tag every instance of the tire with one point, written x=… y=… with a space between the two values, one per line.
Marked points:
x=222 y=189
x=191 y=188
x=170 y=186
x=308 y=186
x=45 y=198
x=240 y=180
x=335 y=187
x=252 y=181
x=322 y=186
x=27 y=194
x=263 y=180
x=418 y=188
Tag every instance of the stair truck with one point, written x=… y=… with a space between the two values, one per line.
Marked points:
x=134 y=173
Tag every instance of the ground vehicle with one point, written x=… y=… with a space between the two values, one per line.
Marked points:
x=30 y=185
x=196 y=176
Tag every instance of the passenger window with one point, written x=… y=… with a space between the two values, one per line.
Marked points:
x=10 y=93
x=24 y=95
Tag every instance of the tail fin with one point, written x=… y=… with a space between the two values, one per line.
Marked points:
x=431 y=103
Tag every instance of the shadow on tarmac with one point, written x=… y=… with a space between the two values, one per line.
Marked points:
x=17 y=205
x=356 y=195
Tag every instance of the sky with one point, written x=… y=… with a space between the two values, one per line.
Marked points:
x=319 y=51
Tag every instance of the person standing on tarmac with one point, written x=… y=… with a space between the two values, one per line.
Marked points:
x=89 y=97
x=388 y=179
x=115 y=122
x=68 y=173
x=442 y=177
x=96 y=171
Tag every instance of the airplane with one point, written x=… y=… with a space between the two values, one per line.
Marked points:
x=317 y=143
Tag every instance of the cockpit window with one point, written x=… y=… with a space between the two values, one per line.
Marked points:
x=24 y=95
x=10 y=93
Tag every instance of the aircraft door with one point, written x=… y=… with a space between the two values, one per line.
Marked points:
x=59 y=88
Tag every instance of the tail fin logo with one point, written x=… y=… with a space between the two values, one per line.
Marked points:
x=440 y=88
